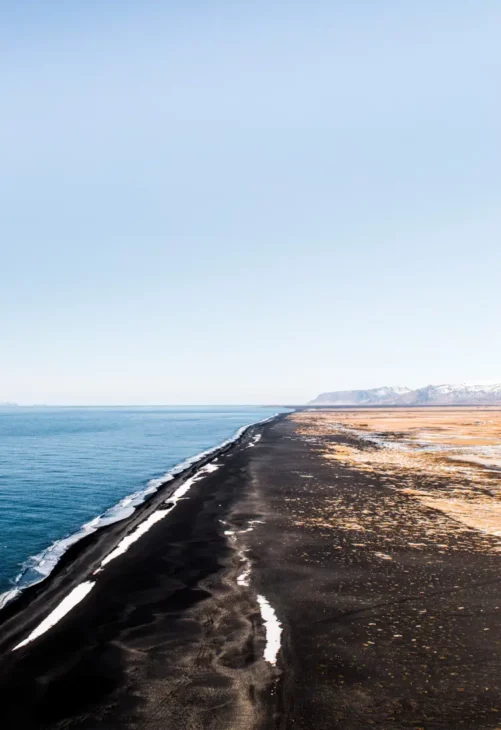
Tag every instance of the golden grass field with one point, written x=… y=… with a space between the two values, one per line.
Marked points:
x=443 y=459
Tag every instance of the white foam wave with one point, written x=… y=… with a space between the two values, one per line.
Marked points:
x=81 y=590
x=39 y=566
x=8 y=596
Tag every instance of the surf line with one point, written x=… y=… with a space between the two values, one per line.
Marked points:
x=83 y=589
x=43 y=563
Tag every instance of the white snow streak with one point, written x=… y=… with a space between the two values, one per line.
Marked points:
x=273 y=629
x=125 y=544
x=77 y=594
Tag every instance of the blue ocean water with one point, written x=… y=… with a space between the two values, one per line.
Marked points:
x=60 y=468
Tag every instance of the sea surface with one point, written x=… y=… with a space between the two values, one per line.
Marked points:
x=66 y=471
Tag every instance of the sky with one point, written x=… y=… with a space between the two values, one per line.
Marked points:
x=220 y=202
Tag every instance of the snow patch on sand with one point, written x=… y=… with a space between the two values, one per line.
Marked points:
x=129 y=540
x=273 y=629
x=272 y=626
x=125 y=544
x=77 y=594
x=244 y=578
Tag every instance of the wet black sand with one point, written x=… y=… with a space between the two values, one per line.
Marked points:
x=168 y=639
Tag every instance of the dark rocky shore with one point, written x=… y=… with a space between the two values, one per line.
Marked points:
x=171 y=636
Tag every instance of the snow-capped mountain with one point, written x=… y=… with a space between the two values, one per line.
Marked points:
x=373 y=396
x=445 y=394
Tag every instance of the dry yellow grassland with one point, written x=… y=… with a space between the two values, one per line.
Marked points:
x=446 y=461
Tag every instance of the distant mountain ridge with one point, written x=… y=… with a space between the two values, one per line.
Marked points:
x=445 y=394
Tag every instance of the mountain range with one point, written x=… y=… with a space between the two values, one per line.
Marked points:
x=446 y=394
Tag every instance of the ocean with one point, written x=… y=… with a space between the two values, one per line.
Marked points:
x=66 y=471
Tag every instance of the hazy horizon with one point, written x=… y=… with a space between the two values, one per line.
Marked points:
x=230 y=405
x=251 y=205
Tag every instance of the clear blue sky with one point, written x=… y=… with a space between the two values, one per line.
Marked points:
x=220 y=202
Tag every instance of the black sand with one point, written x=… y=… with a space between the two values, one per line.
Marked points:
x=168 y=639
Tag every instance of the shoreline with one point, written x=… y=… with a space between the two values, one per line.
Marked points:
x=131 y=501
x=166 y=631
x=291 y=586
x=103 y=537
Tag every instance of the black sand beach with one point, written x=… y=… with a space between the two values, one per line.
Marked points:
x=171 y=635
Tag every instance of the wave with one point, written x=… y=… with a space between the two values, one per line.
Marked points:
x=82 y=589
x=38 y=567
